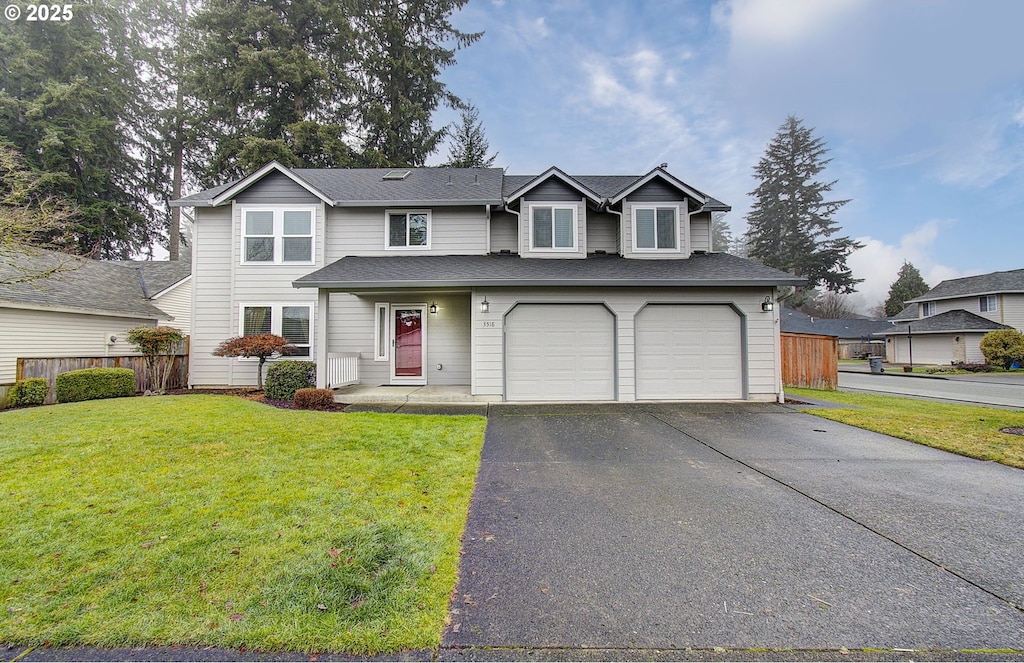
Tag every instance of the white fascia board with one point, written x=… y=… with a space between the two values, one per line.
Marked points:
x=171 y=287
x=554 y=171
x=671 y=179
x=245 y=183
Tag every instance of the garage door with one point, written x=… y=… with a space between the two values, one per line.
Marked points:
x=559 y=352
x=688 y=352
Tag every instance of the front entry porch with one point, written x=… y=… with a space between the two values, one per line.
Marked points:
x=429 y=394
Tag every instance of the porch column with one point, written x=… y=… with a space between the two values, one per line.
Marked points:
x=323 y=312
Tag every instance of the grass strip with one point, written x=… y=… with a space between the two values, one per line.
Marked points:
x=967 y=430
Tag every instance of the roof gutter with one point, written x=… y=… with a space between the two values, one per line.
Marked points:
x=520 y=283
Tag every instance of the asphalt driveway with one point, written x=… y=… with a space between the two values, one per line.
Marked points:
x=667 y=527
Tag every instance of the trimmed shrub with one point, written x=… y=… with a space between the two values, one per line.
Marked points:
x=91 y=383
x=28 y=392
x=313 y=399
x=286 y=377
x=1003 y=347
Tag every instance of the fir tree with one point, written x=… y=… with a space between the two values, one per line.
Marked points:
x=469 y=145
x=721 y=234
x=790 y=222
x=908 y=285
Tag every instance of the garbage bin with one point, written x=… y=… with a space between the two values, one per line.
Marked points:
x=876 y=364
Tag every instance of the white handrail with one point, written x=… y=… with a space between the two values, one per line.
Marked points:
x=342 y=369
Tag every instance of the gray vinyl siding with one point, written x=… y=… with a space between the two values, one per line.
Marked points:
x=276 y=189
x=655 y=191
x=700 y=233
x=361 y=231
x=602 y=232
x=351 y=329
x=177 y=302
x=36 y=333
x=1012 y=307
x=581 y=231
x=764 y=381
x=504 y=232
x=552 y=190
x=683 y=231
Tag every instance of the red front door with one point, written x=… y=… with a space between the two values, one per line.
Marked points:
x=408 y=343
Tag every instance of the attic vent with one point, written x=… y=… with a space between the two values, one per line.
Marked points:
x=397 y=174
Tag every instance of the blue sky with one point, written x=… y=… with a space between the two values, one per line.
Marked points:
x=920 y=102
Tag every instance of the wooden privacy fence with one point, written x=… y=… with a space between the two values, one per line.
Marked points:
x=810 y=360
x=48 y=368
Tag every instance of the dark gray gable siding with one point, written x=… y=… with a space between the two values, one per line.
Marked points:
x=276 y=189
x=553 y=189
x=656 y=191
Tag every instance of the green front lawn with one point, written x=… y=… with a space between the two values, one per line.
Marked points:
x=967 y=430
x=211 y=520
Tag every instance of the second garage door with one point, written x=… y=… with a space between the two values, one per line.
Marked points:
x=688 y=352
x=559 y=352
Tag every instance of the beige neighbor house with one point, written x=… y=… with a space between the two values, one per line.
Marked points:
x=522 y=288
x=946 y=324
x=85 y=308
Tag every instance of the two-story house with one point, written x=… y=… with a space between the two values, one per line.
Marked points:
x=947 y=323
x=523 y=288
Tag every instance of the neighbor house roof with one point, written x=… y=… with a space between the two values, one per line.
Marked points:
x=797 y=322
x=983 y=284
x=957 y=320
x=81 y=285
x=713 y=269
x=351 y=187
x=156 y=276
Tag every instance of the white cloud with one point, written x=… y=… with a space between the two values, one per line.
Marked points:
x=878 y=263
x=755 y=22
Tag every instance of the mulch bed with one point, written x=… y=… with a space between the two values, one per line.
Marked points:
x=1012 y=430
x=252 y=394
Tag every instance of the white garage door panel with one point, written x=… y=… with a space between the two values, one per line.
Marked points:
x=559 y=352
x=688 y=352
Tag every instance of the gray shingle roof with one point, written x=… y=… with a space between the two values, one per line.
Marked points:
x=909 y=312
x=714 y=269
x=984 y=284
x=89 y=286
x=158 y=275
x=957 y=320
x=795 y=322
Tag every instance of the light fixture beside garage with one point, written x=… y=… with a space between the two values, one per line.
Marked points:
x=485 y=306
x=768 y=305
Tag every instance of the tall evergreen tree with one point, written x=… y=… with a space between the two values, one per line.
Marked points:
x=721 y=234
x=272 y=80
x=403 y=45
x=790 y=222
x=908 y=285
x=70 y=105
x=469 y=145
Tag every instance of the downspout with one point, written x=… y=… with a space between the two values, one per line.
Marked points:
x=606 y=207
x=519 y=226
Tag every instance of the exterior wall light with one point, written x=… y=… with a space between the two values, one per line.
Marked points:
x=485 y=306
x=433 y=308
x=767 y=305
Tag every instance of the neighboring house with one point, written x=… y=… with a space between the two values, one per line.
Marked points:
x=523 y=288
x=946 y=324
x=84 y=310
x=855 y=336
x=168 y=285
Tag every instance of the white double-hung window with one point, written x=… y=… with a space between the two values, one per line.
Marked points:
x=292 y=321
x=275 y=235
x=553 y=227
x=655 y=228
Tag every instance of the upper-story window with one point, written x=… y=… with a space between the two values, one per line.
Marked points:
x=655 y=228
x=988 y=303
x=553 y=227
x=277 y=235
x=408 y=229
x=927 y=308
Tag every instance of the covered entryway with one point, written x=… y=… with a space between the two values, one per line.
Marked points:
x=689 y=352
x=559 y=352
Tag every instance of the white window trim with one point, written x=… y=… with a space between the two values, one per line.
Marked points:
x=984 y=299
x=277 y=320
x=406 y=212
x=380 y=332
x=278 y=211
x=927 y=309
x=575 y=227
x=678 y=232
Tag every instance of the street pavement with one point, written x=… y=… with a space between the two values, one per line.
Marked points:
x=999 y=389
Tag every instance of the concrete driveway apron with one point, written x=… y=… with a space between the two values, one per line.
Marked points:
x=738 y=526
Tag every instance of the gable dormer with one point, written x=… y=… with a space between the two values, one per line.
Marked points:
x=662 y=218
x=553 y=209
